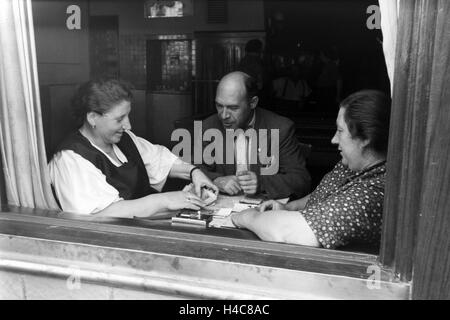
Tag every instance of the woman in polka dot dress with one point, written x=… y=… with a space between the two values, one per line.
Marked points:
x=347 y=205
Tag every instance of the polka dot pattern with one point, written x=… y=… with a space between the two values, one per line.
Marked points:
x=347 y=206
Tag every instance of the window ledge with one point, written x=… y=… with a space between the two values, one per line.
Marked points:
x=141 y=254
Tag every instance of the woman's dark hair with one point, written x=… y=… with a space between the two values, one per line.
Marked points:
x=367 y=114
x=99 y=96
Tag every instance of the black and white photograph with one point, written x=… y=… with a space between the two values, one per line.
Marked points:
x=241 y=151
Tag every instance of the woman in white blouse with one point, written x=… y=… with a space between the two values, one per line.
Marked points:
x=106 y=170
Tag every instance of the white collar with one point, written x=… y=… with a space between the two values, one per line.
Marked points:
x=251 y=124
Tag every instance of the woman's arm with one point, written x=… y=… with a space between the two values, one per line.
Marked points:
x=82 y=188
x=180 y=169
x=183 y=170
x=291 y=206
x=151 y=204
x=298 y=204
x=277 y=226
x=161 y=163
x=142 y=207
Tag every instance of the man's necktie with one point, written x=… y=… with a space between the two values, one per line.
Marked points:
x=241 y=153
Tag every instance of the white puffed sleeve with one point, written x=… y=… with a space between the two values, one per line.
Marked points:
x=79 y=185
x=158 y=160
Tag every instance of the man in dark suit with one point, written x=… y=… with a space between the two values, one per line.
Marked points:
x=236 y=103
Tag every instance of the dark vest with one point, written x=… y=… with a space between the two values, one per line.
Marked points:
x=130 y=179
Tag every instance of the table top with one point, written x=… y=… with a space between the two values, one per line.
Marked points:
x=162 y=220
x=12 y=220
x=224 y=201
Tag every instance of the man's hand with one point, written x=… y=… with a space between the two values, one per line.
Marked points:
x=228 y=184
x=248 y=180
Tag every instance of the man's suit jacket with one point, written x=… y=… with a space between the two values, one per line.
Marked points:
x=292 y=177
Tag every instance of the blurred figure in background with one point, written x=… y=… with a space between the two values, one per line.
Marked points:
x=291 y=90
x=329 y=82
x=253 y=65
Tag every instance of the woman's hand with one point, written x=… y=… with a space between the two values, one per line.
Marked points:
x=271 y=205
x=243 y=219
x=208 y=196
x=200 y=180
x=177 y=200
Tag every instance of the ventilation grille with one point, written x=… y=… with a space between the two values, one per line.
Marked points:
x=217 y=11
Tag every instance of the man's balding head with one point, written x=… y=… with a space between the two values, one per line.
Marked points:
x=236 y=99
x=239 y=82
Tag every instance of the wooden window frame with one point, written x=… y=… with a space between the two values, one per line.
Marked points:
x=414 y=241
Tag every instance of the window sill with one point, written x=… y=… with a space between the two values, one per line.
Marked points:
x=288 y=271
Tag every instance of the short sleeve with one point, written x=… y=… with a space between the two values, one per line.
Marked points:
x=353 y=214
x=79 y=185
x=158 y=160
